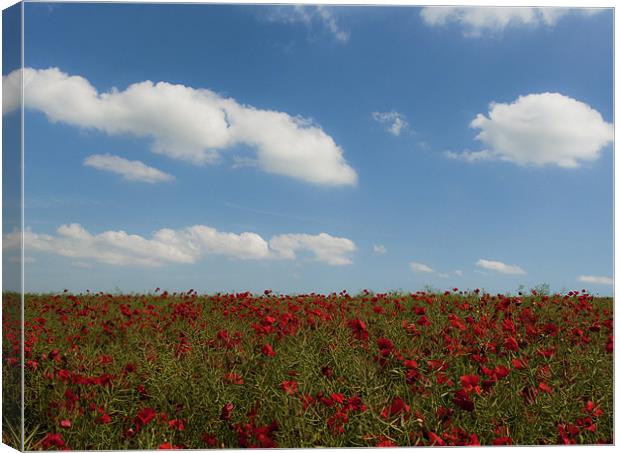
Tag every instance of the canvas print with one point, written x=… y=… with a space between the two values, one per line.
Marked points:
x=299 y=226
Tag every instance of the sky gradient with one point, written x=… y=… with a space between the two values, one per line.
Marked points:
x=231 y=148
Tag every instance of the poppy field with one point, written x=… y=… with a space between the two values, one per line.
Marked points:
x=183 y=370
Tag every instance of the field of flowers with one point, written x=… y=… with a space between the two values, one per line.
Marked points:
x=241 y=370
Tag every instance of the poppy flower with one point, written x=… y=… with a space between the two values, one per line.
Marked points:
x=145 y=416
x=359 y=329
x=209 y=439
x=461 y=399
x=384 y=442
x=434 y=439
x=289 y=387
x=397 y=407
x=511 y=344
x=504 y=440
x=470 y=383
x=267 y=350
x=226 y=412
x=103 y=419
x=53 y=440
x=66 y=424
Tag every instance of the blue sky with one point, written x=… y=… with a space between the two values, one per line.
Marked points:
x=317 y=149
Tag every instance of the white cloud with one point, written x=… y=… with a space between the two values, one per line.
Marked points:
x=394 y=122
x=500 y=267
x=131 y=170
x=183 y=246
x=597 y=280
x=479 y=21
x=329 y=249
x=11 y=91
x=458 y=273
x=310 y=15
x=442 y=275
x=419 y=267
x=190 y=124
x=379 y=248
x=540 y=129
x=470 y=156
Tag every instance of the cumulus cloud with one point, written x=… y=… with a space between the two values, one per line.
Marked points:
x=310 y=15
x=189 y=124
x=331 y=250
x=11 y=91
x=420 y=268
x=131 y=170
x=595 y=279
x=394 y=122
x=379 y=248
x=182 y=246
x=500 y=267
x=483 y=21
x=540 y=129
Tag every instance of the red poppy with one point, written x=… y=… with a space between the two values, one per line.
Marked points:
x=289 y=387
x=384 y=442
x=145 y=416
x=470 y=383
x=434 y=439
x=267 y=350
x=65 y=424
x=511 y=344
x=504 y=440
x=359 y=329
x=103 y=419
x=226 y=412
x=461 y=399
x=209 y=439
x=53 y=440
x=397 y=407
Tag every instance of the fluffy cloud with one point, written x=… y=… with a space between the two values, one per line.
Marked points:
x=309 y=15
x=479 y=21
x=597 y=280
x=379 y=248
x=183 y=246
x=131 y=170
x=540 y=129
x=394 y=122
x=420 y=268
x=331 y=250
x=500 y=267
x=11 y=91
x=189 y=124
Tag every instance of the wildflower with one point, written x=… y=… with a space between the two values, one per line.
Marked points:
x=397 y=407
x=53 y=440
x=470 y=382
x=226 y=412
x=66 y=424
x=359 y=329
x=434 y=439
x=504 y=440
x=267 y=350
x=289 y=387
x=144 y=416
x=209 y=439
